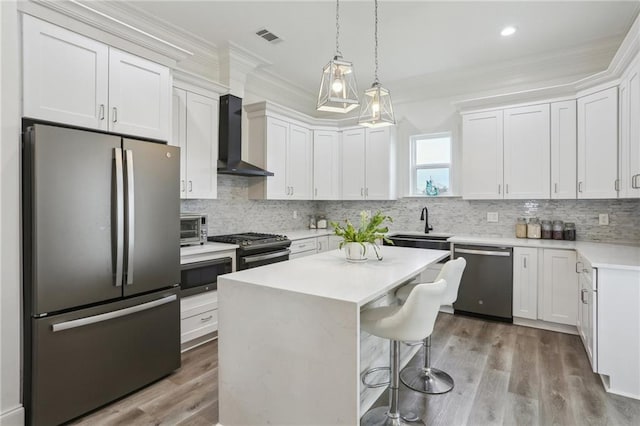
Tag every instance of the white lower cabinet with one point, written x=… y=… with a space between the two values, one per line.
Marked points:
x=198 y=318
x=559 y=287
x=323 y=244
x=525 y=282
x=587 y=308
x=304 y=247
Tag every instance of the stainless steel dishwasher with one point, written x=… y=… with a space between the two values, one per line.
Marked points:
x=486 y=289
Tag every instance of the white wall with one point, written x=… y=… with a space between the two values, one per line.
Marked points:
x=11 y=411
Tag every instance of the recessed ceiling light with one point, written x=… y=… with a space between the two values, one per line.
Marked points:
x=507 y=31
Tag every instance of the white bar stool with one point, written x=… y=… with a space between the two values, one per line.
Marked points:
x=412 y=321
x=427 y=379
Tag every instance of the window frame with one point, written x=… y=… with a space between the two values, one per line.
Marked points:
x=413 y=167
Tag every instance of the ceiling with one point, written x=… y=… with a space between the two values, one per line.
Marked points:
x=421 y=42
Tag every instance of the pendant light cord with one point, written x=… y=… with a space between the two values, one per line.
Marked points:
x=338 y=53
x=376 y=38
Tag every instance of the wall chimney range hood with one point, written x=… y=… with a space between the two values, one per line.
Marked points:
x=230 y=141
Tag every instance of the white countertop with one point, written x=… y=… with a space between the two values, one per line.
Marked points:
x=208 y=247
x=600 y=255
x=306 y=233
x=329 y=275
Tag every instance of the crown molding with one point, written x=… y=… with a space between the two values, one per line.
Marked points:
x=184 y=78
x=94 y=16
x=272 y=109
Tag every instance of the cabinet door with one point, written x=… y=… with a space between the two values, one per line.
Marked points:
x=300 y=163
x=563 y=150
x=482 y=167
x=598 y=144
x=139 y=96
x=353 y=164
x=630 y=133
x=379 y=160
x=179 y=134
x=277 y=141
x=65 y=75
x=560 y=287
x=202 y=147
x=326 y=165
x=323 y=244
x=525 y=282
x=526 y=152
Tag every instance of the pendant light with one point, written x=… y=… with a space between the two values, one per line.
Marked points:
x=377 y=110
x=338 y=87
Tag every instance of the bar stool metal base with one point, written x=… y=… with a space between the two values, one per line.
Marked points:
x=379 y=416
x=427 y=380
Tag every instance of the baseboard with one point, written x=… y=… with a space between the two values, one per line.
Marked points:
x=191 y=344
x=544 y=325
x=13 y=417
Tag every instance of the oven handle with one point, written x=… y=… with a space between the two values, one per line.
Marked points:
x=483 y=252
x=259 y=257
x=194 y=265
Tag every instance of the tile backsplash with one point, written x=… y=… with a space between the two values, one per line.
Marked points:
x=234 y=212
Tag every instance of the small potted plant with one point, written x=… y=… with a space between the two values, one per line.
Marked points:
x=356 y=240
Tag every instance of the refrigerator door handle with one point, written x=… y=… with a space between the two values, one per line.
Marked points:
x=80 y=322
x=117 y=155
x=131 y=216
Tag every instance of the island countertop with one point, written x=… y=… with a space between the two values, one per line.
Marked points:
x=330 y=275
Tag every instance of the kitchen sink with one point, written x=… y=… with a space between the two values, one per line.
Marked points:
x=425 y=241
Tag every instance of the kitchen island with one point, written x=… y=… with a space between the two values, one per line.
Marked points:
x=289 y=335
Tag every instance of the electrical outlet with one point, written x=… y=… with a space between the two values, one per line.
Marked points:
x=492 y=217
x=603 y=219
x=295 y=214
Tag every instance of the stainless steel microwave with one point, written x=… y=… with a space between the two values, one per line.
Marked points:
x=193 y=229
x=198 y=277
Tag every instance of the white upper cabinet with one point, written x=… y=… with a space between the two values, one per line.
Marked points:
x=598 y=144
x=563 y=150
x=300 y=163
x=65 y=75
x=139 y=96
x=526 y=152
x=195 y=131
x=353 y=164
x=368 y=164
x=327 y=168
x=630 y=132
x=286 y=150
x=482 y=155
x=71 y=79
x=380 y=160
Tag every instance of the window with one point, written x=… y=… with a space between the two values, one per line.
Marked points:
x=431 y=164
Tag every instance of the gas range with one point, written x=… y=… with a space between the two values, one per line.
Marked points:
x=256 y=249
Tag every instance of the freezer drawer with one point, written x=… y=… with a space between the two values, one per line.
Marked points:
x=87 y=358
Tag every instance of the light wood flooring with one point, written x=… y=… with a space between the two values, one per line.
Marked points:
x=504 y=375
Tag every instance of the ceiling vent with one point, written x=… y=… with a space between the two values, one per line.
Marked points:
x=269 y=36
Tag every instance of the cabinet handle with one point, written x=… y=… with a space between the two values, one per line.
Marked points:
x=579 y=186
x=582 y=292
x=293 y=190
x=362 y=192
x=506 y=188
x=525 y=262
x=579 y=263
x=316 y=192
x=499 y=189
x=101 y=113
x=190 y=186
x=616 y=184
x=205 y=319
x=366 y=192
x=182 y=185
x=555 y=188
x=633 y=181
x=115 y=114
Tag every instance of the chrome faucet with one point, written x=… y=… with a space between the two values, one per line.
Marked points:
x=425 y=216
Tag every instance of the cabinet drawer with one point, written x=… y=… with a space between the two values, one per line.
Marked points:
x=198 y=325
x=299 y=246
x=195 y=305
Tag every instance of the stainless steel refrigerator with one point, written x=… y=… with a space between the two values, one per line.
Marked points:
x=101 y=268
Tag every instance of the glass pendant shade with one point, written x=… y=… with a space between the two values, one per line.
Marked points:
x=377 y=110
x=338 y=88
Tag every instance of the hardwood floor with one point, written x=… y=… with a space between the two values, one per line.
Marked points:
x=504 y=375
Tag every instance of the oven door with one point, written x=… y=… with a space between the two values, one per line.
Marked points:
x=261 y=259
x=189 y=230
x=199 y=277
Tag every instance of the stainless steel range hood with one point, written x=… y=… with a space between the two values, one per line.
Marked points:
x=230 y=141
